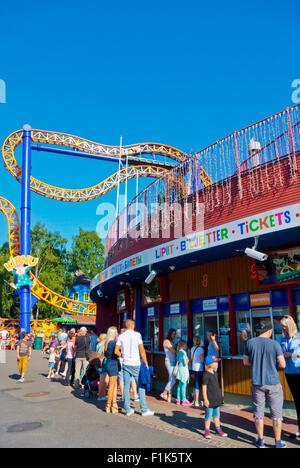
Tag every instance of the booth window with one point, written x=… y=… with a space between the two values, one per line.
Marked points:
x=76 y=296
x=179 y=323
x=224 y=333
x=258 y=315
x=198 y=329
x=243 y=327
x=151 y=335
x=298 y=316
x=278 y=313
x=86 y=297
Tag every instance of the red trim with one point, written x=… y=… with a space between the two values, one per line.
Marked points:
x=291 y=303
x=189 y=313
x=232 y=322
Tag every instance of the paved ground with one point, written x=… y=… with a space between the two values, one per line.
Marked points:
x=65 y=419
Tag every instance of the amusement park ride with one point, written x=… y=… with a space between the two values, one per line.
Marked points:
x=256 y=150
x=131 y=165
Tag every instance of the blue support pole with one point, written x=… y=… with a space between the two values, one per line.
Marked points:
x=25 y=224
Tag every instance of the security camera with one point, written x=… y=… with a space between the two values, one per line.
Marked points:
x=256 y=254
x=150 y=277
x=100 y=293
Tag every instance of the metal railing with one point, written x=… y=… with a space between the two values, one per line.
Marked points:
x=254 y=147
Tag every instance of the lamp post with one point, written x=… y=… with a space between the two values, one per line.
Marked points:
x=25 y=224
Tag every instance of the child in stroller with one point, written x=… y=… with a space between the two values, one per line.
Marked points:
x=90 y=380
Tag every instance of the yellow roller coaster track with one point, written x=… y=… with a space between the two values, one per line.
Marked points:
x=74 y=142
x=38 y=289
x=77 y=195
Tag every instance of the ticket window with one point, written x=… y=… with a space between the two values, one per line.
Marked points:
x=298 y=316
x=198 y=326
x=179 y=323
x=244 y=330
x=224 y=333
x=210 y=323
x=278 y=313
x=218 y=322
x=257 y=315
x=151 y=341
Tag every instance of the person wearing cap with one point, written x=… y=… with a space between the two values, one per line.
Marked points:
x=265 y=356
x=212 y=397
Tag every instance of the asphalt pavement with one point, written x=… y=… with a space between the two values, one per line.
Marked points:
x=46 y=414
x=57 y=416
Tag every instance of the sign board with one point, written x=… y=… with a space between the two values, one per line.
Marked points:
x=150 y=312
x=263 y=299
x=275 y=220
x=175 y=308
x=209 y=305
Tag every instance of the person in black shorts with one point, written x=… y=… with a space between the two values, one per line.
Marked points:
x=212 y=397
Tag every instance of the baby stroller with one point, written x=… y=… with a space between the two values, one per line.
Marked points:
x=90 y=380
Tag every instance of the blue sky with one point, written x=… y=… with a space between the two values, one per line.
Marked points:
x=181 y=73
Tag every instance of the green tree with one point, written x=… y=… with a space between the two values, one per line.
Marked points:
x=52 y=267
x=87 y=253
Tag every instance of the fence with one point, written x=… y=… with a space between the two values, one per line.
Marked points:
x=256 y=149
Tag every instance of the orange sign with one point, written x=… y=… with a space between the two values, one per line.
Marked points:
x=260 y=299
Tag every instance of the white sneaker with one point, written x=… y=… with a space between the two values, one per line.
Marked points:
x=137 y=398
x=63 y=374
x=131 y=412
x=48 y=377
x=21 y=380
x=148 y=413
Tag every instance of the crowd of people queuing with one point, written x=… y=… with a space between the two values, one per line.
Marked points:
x=118 y=361
x=262 y=354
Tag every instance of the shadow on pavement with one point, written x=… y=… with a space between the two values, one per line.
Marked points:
x=14 y=376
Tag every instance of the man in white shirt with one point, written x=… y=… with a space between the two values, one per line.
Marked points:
x=130 y=347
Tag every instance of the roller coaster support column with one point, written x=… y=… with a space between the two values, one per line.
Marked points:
x=25 y=224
